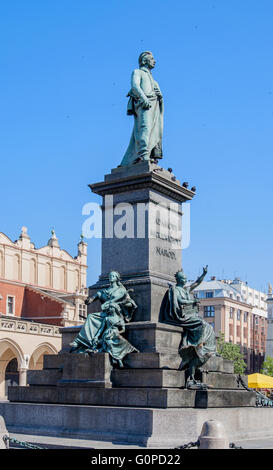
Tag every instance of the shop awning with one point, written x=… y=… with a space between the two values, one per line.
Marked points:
x=260 y=381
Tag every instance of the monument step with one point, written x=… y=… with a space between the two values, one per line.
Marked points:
x=160 y=378
x=152 y=360
x=134 y=378
x=145 y=360
x=53 y=361
x=44 y=377
x=219 y=364
x=157 y=427
x=133 y=397
x=164 y=378
x=156 y=360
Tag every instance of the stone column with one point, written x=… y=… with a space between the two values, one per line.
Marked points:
x=141 y=239
x=148 y=199
x=22 y=377
x=23 y=368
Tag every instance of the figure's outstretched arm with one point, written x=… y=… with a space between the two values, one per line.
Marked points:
x=91 y=299
x=199 y=279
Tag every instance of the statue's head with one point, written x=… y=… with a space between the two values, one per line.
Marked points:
x=180 y=277
x=114 y=276
x=146 y=59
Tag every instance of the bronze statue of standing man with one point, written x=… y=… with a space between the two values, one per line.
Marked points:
x=146 y=105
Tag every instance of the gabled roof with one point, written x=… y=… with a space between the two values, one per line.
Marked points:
x=5 y=239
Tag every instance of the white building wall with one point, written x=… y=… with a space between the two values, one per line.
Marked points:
x=21 y=261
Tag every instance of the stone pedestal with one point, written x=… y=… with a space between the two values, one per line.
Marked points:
x=148 y=379
x=146 y=199
x=145 y=336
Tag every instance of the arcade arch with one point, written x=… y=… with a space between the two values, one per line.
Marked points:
x=12 y=356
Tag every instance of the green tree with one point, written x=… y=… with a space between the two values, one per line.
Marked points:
x=232 y=352
x=267 y=367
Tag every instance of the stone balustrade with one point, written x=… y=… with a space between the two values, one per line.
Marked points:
x=29 y=327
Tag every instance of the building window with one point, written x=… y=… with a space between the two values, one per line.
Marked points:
x=32 y=273
x=209 y=295
x=16 y=268
x=10 y=305
x=209 y=311
x=245 y=316
x=231 y=311
x=1 y=264
x=83 y=311
x=48 y=275
x=238 y=314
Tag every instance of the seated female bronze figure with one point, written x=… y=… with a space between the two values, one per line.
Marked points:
x=102 y=331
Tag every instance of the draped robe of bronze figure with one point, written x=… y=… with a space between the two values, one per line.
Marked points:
x=198 y=341
x=102 y=331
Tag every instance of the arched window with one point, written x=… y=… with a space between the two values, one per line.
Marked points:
x=62 y=283
x=77 y=280
x=48 y=275
x=32 y=271
x=16 y=267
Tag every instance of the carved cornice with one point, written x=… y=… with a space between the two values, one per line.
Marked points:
x=151 y=180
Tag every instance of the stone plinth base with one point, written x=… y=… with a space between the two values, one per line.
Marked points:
x=145 y=336
x=136 y=426
x=77 y=393
x=89 y=379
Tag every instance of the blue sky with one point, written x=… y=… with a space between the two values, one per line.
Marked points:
x=65 y=72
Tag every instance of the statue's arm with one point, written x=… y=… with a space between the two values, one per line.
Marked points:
x=199 y=279
x=91 y=299
x=118 y=295
x=115 y=296
x=137 y=90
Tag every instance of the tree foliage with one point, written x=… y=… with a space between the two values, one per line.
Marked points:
x=232 y=352
x=267 y=367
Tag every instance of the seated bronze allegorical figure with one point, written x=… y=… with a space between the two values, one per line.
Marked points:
x=102 y=331
x=198 y=341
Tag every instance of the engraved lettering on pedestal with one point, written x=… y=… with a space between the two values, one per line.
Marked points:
x=164 y=252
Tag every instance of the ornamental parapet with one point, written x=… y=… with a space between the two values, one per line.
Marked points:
x=23 y=326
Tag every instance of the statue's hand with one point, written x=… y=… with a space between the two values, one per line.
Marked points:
x=146 y=104
x=158 y=94
x=205 y=269
x=89 y=300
